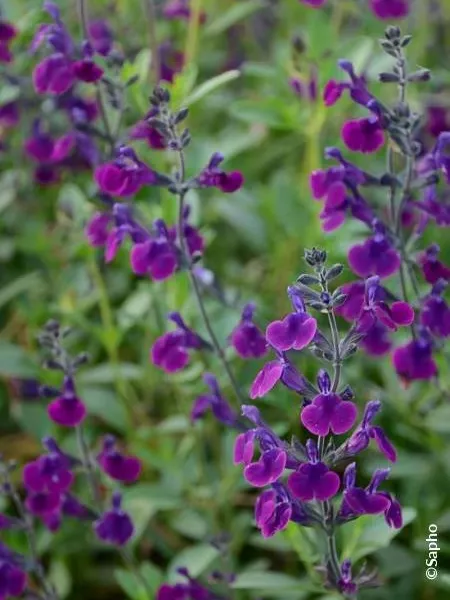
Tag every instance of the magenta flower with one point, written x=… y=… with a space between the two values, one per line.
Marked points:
x=375 y=256
x=363 y=135
x=357 y=87
x=432 y=268
x=390 y=9
x=414 y=360
x=53 y=75
x=313 y=480
x=216 y=403
x=212 y=176
x=268 y=469
x=375 y=309
x=361 y=501
x=280 y=369
x=180 y=9
x=7 y=33
x=86 y=70
x=435 y=313
x=170 y=351
x=361 y=437
x=125 y=176
x=294 y=332
x=13 y=579
x=115 y=464
x=328 y=411
x=43 y=503
x=98 y=228
x=244 y=448
x=156 y=257
x=100 y=37
x=67 y=410
x=115 y=525
x=50 y=472
x=9 y=114
x=246 y=338
x=273 y=511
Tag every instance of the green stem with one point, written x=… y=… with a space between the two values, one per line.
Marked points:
x=154 y=72
x=193 y=29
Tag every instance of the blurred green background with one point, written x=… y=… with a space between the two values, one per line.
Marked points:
x=190 y=491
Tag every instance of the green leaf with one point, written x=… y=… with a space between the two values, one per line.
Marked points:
x=195 y=559
x=269 y=111
x=235 y=13
x=183 y=85
x=211 y=85
x=18 y=286
x=105 y=404
x=370 y=533
x=269 y=580
x=108 y=373
x=14 y=362
x=130 y=585
x=439 y=419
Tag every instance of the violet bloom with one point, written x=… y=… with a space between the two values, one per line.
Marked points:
x=98 y=228
x=143 y=130
x=13 y=579
x=67 y=410
x=125 y=175
x=390 y=9
x=170 y=351
x=294 y=332
x=313 y=480
x=7 y=33
x=246 y=338
x=438 y=120
x=435 y=313
x=213 y=176
x=171 y=61
x=305 y=88
x=345 y=583
x=114 y=526
x=375 y=256
x=432 y=268
x=273 y=510
x=215 y=402
x=414 y=361
x=156 y=257
x=180 y=10
x=282 y=370
x=377 y=310
x=363 y=135
x=42 y=504
x=357 y=87
x=9 y=114
x=268 y=469
x=329 y=186
x=100 y=37
x=117 y=465
x=50 y=472
x=361 y=437
x=328 y=411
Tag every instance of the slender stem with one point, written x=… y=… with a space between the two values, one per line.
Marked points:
x=193 y=280
x=84 y=19
x=90 y=471
x=155 y=70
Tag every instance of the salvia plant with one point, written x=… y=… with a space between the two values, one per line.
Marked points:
x=312 y=480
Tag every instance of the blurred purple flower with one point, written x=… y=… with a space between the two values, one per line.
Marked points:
x=115 y=464
x=246 y=338
x=115 y=525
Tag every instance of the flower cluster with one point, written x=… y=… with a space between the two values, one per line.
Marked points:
x=301 y=481
x=50 y=480
x=192 y=589
x=414 y=200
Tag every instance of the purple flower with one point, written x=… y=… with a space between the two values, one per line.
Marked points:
x=100 y=37
x=171 y=61
x=432 y=268
x=115 y=464
x=294 y=332
x=115 y=525
x=268 y=469
x=273 y=510
x=346 y=584
x=7 y=33
x=314 y=3
x=50 y=472
x=375 y=256
x=9 y=114
x=414 y=360
x=170 y=351
x=376 y=310
x=280 y=369
x=180 y=9
x=357 y=87
x=67 y=410
x=215 y=402
x=435 y=314
x=390 y=9
x=246 y=338
x=212 y=176
x=13 y=579
x=313 y=480
x=156 y=257
x=244 y=447
x=98 y=228
x=363 y=135
x=86 y=70
x=328 y=411
x=144 y=131
x=361 y=437
x=124 y=176
x=53 y=75
x=43 y=503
